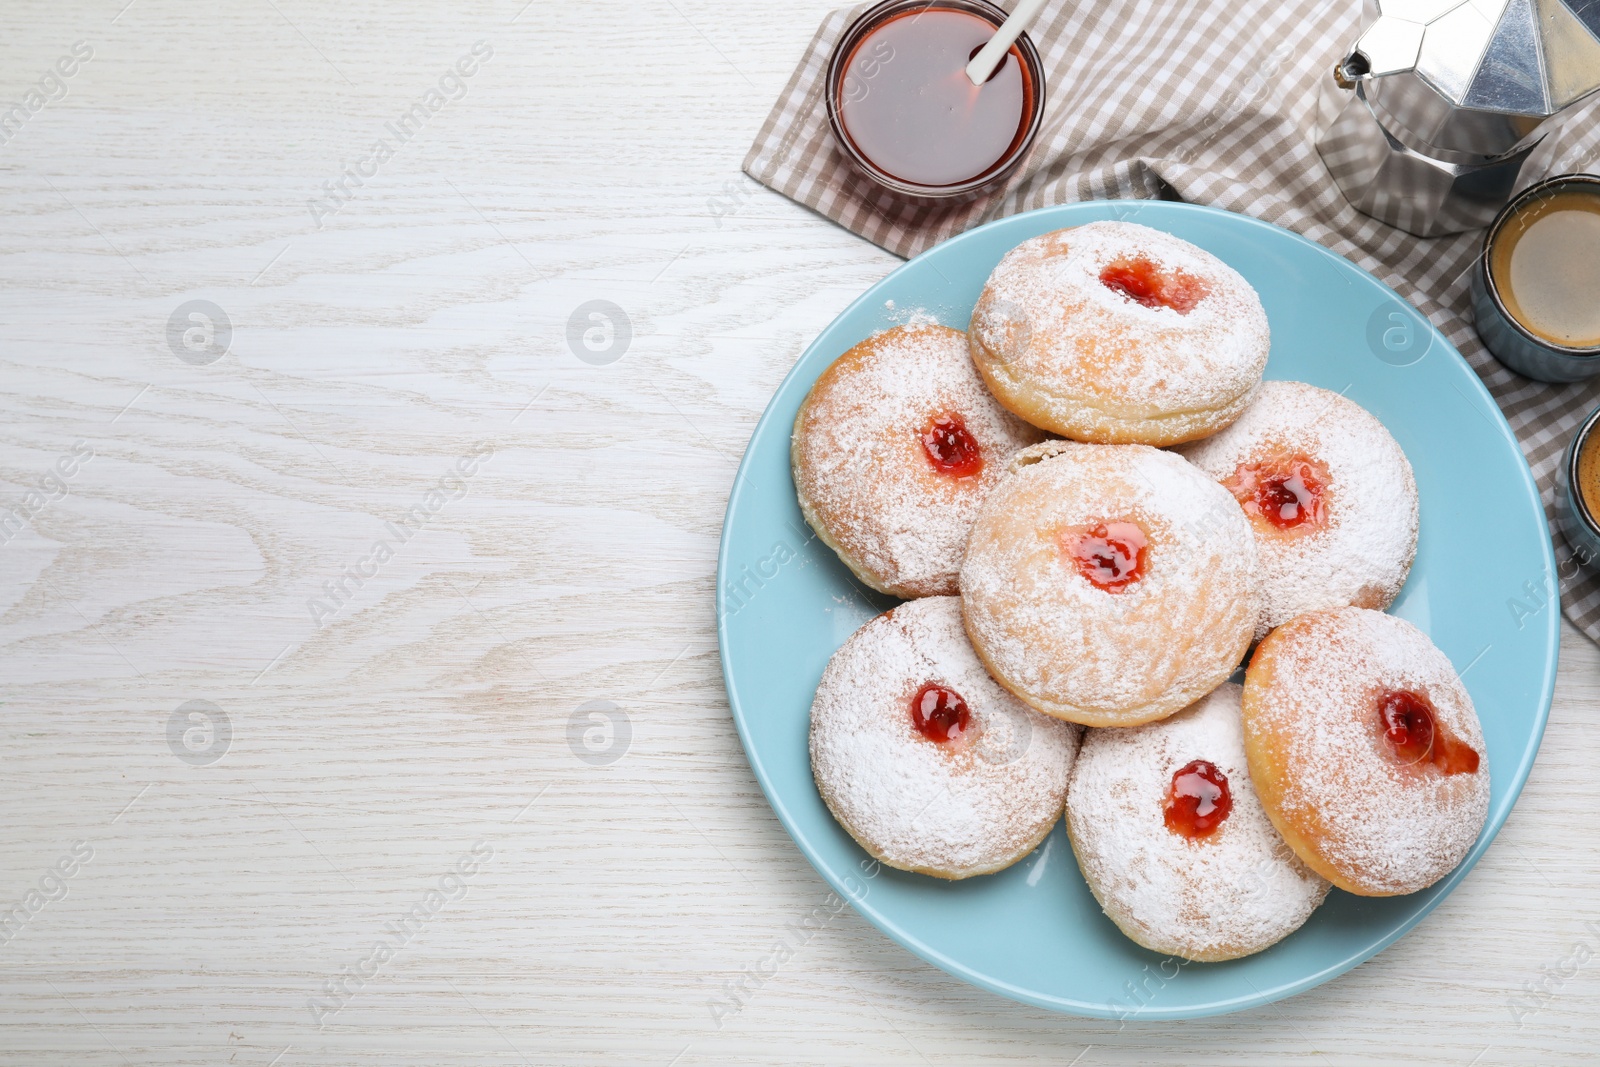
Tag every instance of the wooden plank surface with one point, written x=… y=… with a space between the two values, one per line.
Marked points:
x=400 y=367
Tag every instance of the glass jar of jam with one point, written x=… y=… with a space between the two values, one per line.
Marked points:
x=906 y=115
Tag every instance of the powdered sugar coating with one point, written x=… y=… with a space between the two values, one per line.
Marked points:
x=1361 y=554
x=865 y=483
x=1353 y=811
x=1076 y=651
x=921 y=805
x=1231 y=893
x=1070 y=354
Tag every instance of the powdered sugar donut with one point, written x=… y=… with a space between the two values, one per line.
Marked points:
x=1365 y=750
x=1109 y=585
x=1329 y=494
x=893 y=449
x=1173 y=842
x=927 y=763
x=1116 y=333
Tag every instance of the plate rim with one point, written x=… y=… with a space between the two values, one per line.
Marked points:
x=955 y=968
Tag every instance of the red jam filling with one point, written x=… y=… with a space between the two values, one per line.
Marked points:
x=940 y=714
x=1411 y=728
x=950 y=446
x=1111 y=555
x=1286 y=493
x=1143 y=282
x=1199 y=800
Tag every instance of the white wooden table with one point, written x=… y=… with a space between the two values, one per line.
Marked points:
x=383 y=751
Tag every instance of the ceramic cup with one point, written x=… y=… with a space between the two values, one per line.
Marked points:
x=1579 y=524
x=1512 y=343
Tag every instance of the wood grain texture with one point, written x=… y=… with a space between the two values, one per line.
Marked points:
x=593 y=157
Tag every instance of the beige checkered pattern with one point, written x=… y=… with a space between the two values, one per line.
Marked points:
x=1213 y=102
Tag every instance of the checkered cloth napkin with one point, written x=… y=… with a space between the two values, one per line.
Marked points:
x=1214 y=102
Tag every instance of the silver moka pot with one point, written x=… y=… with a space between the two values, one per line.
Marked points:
x=1443 y=101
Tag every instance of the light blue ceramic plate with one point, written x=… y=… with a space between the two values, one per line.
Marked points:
x=1482 y=587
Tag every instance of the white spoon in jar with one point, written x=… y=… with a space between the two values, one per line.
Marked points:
x=990 y=55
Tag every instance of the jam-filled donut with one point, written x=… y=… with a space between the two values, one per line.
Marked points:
x=1329 y=494
x=1173 y=842
x=893 y=448
x=1115 y=333
x=1109 y=585
x=1365 y=750
x=927 y=763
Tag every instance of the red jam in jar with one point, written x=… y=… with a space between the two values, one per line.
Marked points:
x=906 y=105
x=1198 y=800
x=940 y=714
x=1111 y=555
x=950 y=447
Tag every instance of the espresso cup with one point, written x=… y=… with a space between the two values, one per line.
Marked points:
x=1579 y=513
x=1523 y=329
